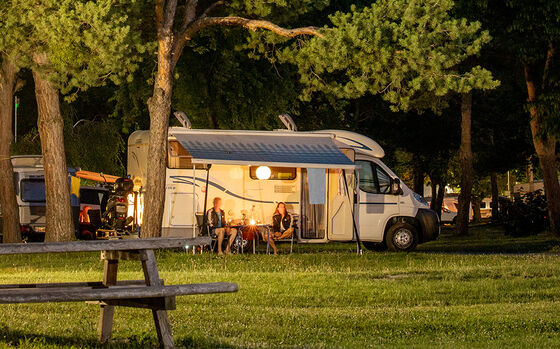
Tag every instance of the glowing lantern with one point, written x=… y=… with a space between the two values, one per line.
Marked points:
x=263 y=172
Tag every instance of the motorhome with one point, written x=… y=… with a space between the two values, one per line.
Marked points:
x=332 y=181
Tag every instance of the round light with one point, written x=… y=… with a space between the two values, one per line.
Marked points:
x=252 y=222
x=263 y=172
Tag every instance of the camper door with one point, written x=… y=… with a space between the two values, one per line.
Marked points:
x=340 y=226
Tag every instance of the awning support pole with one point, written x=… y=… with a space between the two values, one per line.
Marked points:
x=358 y=242
x=194 y=204
x=205 y=217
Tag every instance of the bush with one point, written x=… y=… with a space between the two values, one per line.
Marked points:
x=526 y=215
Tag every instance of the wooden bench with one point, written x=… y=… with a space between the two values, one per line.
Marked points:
x=150 y=293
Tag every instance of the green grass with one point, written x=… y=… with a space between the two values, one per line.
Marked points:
x=322 y=296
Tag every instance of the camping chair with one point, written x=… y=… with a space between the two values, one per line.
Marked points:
x=204 y=230
x=295 y=218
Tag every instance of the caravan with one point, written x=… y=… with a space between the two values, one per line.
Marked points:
x=333 y=182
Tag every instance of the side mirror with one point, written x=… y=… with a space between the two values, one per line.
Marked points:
x=396 y=186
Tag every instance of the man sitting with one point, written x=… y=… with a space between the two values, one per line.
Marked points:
x=217 y=221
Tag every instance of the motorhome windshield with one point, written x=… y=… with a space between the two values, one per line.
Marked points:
x=33 y=190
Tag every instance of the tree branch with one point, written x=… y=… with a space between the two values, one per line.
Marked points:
x=169 y=15
x=190 y=14
x=212 y=8
x=549 y=57
x=251 y=24
x=159 y=15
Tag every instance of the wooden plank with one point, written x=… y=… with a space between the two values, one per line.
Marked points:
x=92 y=284
x=164 y=303
x=161 y=320
x=76 y=294
x=107 y=312
x=120 y=255
x=102 y=245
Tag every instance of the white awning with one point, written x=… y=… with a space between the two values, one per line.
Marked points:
x=281 y=149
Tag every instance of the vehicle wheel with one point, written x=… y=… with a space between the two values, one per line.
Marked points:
x=401 y=237
x=375 y=246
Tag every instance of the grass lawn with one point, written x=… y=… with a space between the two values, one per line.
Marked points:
x=454 y=292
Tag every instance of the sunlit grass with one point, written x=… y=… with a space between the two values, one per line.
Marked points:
x=323 y=296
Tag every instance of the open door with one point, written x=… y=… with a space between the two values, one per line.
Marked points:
x=340 y=203
x=313 y=222
x=339 y=207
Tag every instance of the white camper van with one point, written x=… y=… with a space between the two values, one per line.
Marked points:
x=332 y=181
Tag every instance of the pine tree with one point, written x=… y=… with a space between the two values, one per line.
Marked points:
x=71 y=45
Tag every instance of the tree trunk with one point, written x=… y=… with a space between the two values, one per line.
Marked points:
x=438 y=192
x=60 y=225
x=477 y=215
x=466 y=162
x=8 y=203
x=545 y=146
x=530 y=174
x=434 y=193
x=495 y=197
x=440 y=196
x=159 y=106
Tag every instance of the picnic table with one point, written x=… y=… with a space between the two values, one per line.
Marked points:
x=150 y=293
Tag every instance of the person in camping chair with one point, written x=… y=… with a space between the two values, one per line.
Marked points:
x=217 y=221
x=282 y=225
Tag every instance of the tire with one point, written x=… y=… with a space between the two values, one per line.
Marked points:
x=401 y=237
x=375 y=246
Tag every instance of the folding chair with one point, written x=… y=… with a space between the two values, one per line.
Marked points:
x=204 y=230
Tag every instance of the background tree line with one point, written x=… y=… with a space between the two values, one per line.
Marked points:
x=456 y=92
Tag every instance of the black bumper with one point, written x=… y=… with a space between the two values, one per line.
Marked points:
x=429 y=222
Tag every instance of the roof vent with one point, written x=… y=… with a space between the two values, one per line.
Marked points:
x=288 y=122
x=183 y=119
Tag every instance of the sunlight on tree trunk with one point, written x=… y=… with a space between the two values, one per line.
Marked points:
x=545 y=146
x=8 y=203
x=466 y=162
x=60 y=226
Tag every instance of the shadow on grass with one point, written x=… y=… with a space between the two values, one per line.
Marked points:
x=482 y=239
x=17 y=338
x=489 y=239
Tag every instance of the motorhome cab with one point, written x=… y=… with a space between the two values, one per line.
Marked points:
x=333 y=182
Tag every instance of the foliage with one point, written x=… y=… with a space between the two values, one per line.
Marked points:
x=526 y=215
x=407 y=51
x=528 y=29
x=96 y=146
x=90 y=145
x=88 y=43
x=219 y=86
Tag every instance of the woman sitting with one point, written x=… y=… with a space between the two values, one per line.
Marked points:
x=281 y=225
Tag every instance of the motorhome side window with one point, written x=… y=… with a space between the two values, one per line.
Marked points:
x=367 y=177
x=179 y=157
x=383 y=180
x=276 y=173
x=32 y=190
x=373 y=179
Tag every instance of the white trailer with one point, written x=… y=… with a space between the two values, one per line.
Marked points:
x=332 y=181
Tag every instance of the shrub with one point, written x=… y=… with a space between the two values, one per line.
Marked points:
x=526 y=215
